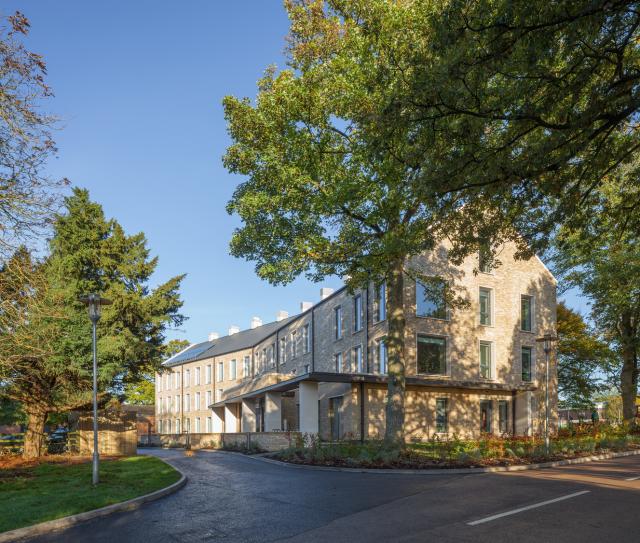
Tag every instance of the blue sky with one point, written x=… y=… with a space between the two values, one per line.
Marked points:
x=138 y=86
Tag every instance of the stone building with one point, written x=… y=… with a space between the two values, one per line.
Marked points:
x=470 y=370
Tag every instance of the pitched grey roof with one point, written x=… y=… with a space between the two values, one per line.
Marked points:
x=228 y=344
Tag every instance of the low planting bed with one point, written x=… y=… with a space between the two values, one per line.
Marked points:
x=54 y=487
x=456 y=453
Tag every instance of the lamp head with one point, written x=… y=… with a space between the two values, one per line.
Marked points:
x=94 y=304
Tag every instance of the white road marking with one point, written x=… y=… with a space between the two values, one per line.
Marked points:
x=633 y=478
x=526 y=508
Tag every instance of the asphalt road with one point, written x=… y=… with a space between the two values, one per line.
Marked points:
x=230 y=498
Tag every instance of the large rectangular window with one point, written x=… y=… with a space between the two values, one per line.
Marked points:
x=176 y=380
x=357 y=313
x=209 y=425
x=526 y=358
x=382 y=356
x=187 y=378
x=486 y=366
x=233 y=370
x=272 y=355
x=432 y=355
x=197 y=425
x=168 y=426
x=187 y=402
x=177 y=403
x=503 y=416
x=220 y=394
x=197 y=405
x=306 y=338
x=208 y=375
x=380 y=302
x=431 y=300
x=338 y=362
x=197 y=376
x=485 y=306
x=357 y=358
x=338 y=322
x=220 y=372
x=177 y=426
x=209 y=399
x=486 y=412
x=526 y=313
x=442 y=415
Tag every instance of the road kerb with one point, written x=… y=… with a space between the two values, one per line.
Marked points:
x=66 y=522
x=455 y=471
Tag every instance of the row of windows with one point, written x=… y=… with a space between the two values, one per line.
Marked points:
x=167 y=426
x=486 y=416
x=431 y=302
x=432 y=358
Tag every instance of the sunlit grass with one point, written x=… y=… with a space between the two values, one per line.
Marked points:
x=49 y=491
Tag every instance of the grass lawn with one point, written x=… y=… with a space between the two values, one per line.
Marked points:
x=52 y=490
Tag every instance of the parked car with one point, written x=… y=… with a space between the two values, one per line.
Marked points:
x=58 y=436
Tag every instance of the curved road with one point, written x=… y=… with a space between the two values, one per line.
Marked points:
x=231 y=498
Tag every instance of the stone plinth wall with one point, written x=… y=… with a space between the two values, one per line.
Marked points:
x=268 y=441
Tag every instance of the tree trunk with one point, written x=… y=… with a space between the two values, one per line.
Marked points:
x=629 y=372
x=394 y=432
x=34 y=436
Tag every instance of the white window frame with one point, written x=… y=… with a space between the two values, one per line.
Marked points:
x=359 y=364
x=220 y=371
x=196 y=400
x=187 y=403
x=357 y=313
x=532 y=362
x=246 y=366
x=306 y=330
x=491 y=306
x=196 y=376
x=294 y=344
x=338 y=323
x=208 y=374
x=381 y=344
x=283 y=350
x=233 y=369
x=532 y=310
x=492 y=363
x=209 y=425
x=177 y=430
x=209 y=398
x=197 y=425
x=187 y=378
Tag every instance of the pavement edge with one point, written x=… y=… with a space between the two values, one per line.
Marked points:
x=66 y=522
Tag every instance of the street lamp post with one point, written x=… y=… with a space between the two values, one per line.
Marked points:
x=546 y=340
x=94 y=303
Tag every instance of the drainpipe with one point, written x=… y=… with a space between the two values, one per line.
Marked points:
x=313 y=339
x=513 y=411
x=366 y=331
x=278 y=351
x=362 y=429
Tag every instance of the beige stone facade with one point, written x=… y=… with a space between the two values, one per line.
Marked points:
x=324 y=369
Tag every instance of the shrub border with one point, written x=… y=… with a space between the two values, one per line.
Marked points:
x=72 y=520
x=452 y=471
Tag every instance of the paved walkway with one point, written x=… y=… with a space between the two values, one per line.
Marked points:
x=230 y=498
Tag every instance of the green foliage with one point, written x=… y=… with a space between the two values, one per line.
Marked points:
x=11 y=412
x=141 y=392
x=604 y=263
x=583 y=360
x=45 y=332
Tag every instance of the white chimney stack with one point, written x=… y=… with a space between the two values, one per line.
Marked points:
x=233 y=329
x=305 y=306
x=213 y=336
x=255 y=322
x=325 y=292
x=281 y=315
